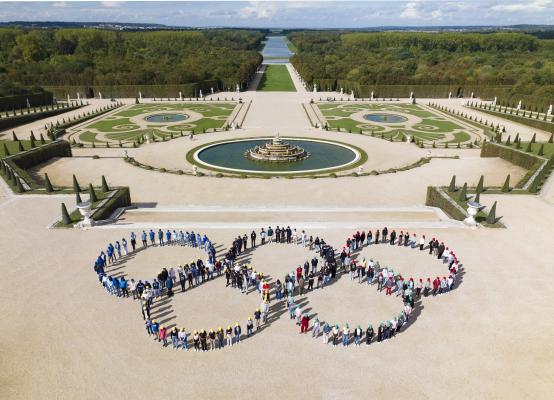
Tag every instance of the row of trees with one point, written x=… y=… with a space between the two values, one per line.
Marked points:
x=519 y=61
x=60 y=57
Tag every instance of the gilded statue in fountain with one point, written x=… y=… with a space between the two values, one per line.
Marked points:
x=277 y=151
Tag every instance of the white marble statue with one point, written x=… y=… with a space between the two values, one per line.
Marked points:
x=180 y=95
x=519 y=106
x=450 y=95
x=200 y=94
x=315 y=87
x=371 y=95
x=140 y=95
x=549 y=112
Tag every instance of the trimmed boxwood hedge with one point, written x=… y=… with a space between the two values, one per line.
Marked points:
x=435 y=199
x=122 y=198
x=18 y=120
x=41 y=154
x=520 y=158
x=535 y=123
x=8 y=103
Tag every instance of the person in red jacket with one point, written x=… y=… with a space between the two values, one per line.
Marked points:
x=304 y=322
x=436 y=284
x=163 y=335
x=298 y=272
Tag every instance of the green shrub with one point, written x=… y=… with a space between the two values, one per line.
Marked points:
x=48 y=184
x=121 y=198
x=92 y=194
x=506 y=185
x=76 y=187
x=66 y=220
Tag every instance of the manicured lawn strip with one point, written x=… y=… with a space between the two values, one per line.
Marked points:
x=276 y=78
x=13 y=146
x=548 y=148
x=290 y=45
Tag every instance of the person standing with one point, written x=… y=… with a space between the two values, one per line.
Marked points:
x=368 y=335
x=385 y=234
x=249 y=327
x=237 y=332
x=358 y=335
x=304 y=323
x=345 y=335
x=270 y=235
x=262 y=236
x=253 y=239
x=133 y=241
x=315 y=328
x=183 y=339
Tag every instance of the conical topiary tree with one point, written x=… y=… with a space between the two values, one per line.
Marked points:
x=517 y=138
x=508 y=140
x=65 y=215
x=20 y=146
x=541 y=150
x=42 y=141
x=105 y=187
x=452 y=186
x=5 y=150
x=463 y=193
x=33 y=144
x=491 y=218
x=76 y=187
x=14 y=136
x=480 y=187
x=506 y=186
x=92 y=194
x=551 y=140
x=477 y=195
x=78 y=198
x=48 y=184
x=534 y=138
x=529 y=148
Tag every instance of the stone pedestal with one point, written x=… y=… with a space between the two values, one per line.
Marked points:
x=84 y=209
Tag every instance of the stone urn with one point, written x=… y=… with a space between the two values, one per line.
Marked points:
x=473 y=209
x=84 y=209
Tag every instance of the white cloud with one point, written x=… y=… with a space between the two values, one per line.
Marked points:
x=258 y=10
x=111 y=4
x=59 y=4
x=536 y=5
x=410 y=11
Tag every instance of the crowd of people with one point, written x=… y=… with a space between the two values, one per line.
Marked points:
x=385 y=279
x=316 y=273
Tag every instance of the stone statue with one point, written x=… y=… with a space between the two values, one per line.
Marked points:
x=180 y=95
x=371 y=95
x=341 y=91
x=238 y=88
x=450 y=95
x=200 y=94
x=549 y=112
x=519 y=106
x=315 y=87
x=494 y=102
x=140 y=95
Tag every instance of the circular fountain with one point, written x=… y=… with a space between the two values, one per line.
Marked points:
x=277 y=151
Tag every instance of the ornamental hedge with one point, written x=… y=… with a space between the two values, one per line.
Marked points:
x=435 y=199
x=9 y=103
x=535 y=123
x=121 y=198
x=18 y=120
x=41 y=154
x=522 y=159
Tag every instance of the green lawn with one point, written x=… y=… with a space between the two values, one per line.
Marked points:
x=548 y=149
x=13 y=147
x=276 y=78
x=431 y=127
x=119 y=127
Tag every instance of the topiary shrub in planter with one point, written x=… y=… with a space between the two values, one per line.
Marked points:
x=219 y=175
x=180 y=172
x=163 y=170
x=332 y=175
x=95 y=157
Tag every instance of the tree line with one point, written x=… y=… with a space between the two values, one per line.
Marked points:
x=521 y=61
x=86 y=57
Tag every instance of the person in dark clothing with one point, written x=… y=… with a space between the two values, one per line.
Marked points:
x=253 y=239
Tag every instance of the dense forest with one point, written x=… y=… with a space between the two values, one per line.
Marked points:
x=520 y=62
x=87 y=57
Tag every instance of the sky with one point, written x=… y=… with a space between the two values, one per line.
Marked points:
x=288 y=14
